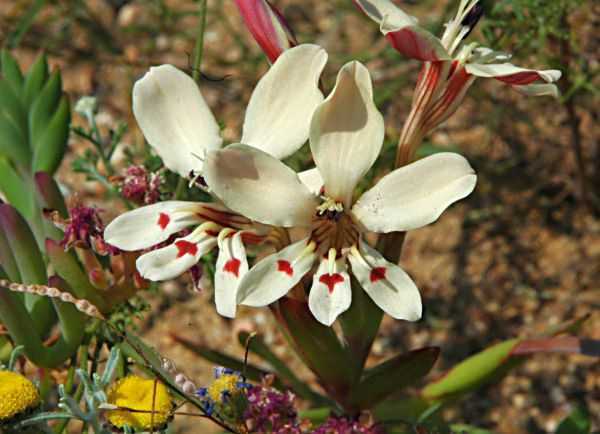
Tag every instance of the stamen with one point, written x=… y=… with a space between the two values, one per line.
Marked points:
x=331 y=255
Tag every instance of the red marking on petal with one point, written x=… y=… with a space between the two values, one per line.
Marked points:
x=233 y=266
x=285 y=267
x=185 y=247
x=377 y=273
x=412 y=45
x=331 y=280
x=520 y=78
x=163 y=220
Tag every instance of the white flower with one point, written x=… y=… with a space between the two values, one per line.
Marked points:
x=461 y=65
x=346 y=137
x=179 y=126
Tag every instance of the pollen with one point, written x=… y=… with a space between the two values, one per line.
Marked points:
x=136 y=393
x=17 y=395
x=226 y=384
x=330 y=208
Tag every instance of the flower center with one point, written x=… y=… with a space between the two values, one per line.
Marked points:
x=330 y=209
x=333 y=228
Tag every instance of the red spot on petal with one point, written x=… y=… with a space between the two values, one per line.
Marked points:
x=285 y=267
x=331 y=280
x=377 y=273
x=185 y=247
x=233 y=266
x=163 y=220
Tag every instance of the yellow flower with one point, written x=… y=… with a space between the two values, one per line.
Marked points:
x=135 y=393
x=225 y=383
x=17 y=395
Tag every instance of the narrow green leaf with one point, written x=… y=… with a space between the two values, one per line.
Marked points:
x=50 y=148
x=11 y=71
x=11 y=106
x=7 y=260
x=473 y=372
x=35 y=79
x=13 y=142
x=253 y=372
x=30 y=263
x=319 y=347
x=67 y=267
x=360 y=324
x=407 y=411
x=49 y=195
x=578 y=422
x=43 y=107
x=15 y=190
x=392 y=376
x=258 y=347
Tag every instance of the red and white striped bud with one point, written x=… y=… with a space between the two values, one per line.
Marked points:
x=268 y=27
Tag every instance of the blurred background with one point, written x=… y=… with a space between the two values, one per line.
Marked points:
x=519 y=255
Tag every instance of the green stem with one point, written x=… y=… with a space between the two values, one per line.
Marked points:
x=196 y=74
x=199 y=47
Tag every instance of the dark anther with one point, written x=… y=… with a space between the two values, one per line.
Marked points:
x=472 y=18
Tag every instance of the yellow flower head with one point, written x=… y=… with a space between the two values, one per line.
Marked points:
x=225 y=384
x=17 y=395
x=135 y=393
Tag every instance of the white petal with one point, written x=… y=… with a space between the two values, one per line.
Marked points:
x=171 y=261
x=272 y=277
x=331 y=293
x=312 y=179
x=387 y=284
x=403 y=31
x=511 y=74
x=278 y=115
x=231 y=267
x=174 y=118
x=346 y=133
x=538 y=90
x=259 y=186
x=415 y=195
x=149 y=225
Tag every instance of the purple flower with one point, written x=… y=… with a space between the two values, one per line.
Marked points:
x=271 y=411
x=343 y=425
x=83 y=229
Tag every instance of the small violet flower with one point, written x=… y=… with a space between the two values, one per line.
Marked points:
x=180 y=128
x=346 y=137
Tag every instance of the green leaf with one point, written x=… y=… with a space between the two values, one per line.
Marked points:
x=319 y=347
x=427 y=149
x=67 y=267
x=51 y=147
x=468 y=429
x=473 y=372
x=11 y=106
x=11 y=70
x=257 y=346
x=43 y=107
x=578 y=422
x=252 y=372
x=16 y=191
x=35 y=79
x=49 y=195
x=360 y=324
x=7 y=260
x=30 y=264
x=392 y=376
x=13 y=142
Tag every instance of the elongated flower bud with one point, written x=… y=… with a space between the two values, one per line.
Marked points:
x=268 y=27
